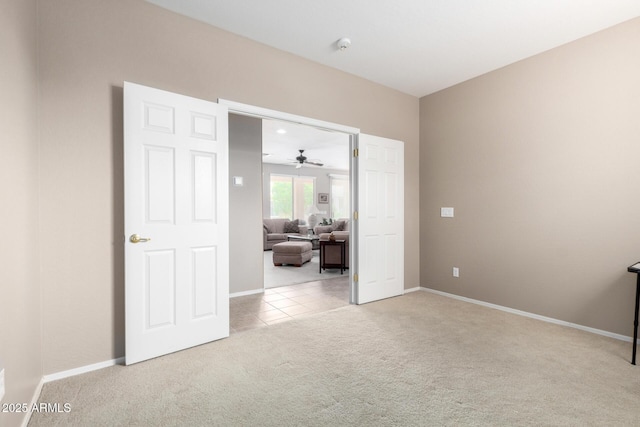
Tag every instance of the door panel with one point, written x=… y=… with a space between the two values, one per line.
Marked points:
x=204 y=295
x=204 y=187
x=160 y=288
x=159 y=183
x=381 y=218
x=176 y=193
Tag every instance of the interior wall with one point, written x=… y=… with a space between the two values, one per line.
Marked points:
x=245 y=204
x=20 y=317
x=87 y=49
x=539 y=160
x=323 y=184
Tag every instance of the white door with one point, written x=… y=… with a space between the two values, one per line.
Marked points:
x=176 y=201
x=380 y=224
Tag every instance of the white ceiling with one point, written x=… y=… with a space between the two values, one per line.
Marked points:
x=320 y=146
x=415 y=46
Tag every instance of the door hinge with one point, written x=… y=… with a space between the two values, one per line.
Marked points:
x=355 y=152
x=355 y=277
x=355 y=215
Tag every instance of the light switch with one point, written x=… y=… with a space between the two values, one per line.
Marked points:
x=238 y=181
x=446 y=212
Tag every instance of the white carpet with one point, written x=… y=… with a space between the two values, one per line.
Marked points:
x=286 y=275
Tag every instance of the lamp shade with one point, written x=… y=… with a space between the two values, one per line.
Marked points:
x=312 y=220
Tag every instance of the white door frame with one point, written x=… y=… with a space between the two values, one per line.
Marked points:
x=265 y=113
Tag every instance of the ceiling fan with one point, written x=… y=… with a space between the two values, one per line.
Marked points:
x=302 y=159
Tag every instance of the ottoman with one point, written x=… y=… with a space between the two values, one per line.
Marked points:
x=296 y=253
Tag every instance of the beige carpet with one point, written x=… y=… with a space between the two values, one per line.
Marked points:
x=416 y=360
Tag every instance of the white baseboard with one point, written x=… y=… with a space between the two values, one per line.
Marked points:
x=65 y=374
x=82 y=370
x=245 y=293
x=417 y=288
x=532 y=315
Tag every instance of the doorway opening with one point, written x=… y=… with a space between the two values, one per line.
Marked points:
x=305 y=180
x=305 y=174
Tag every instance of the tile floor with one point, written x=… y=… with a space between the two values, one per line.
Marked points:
x=287 y=302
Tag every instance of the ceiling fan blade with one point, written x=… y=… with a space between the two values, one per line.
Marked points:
x=314 y=163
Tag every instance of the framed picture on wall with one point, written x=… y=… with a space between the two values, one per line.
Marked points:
x=323 y=198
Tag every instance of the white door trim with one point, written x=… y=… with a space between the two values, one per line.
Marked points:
x=265 y=113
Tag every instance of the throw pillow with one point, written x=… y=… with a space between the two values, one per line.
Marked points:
x=337 y=226
x=291 y=227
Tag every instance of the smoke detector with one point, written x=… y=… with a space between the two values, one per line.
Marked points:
x=344 y=43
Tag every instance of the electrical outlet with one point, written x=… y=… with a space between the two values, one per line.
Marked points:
x=456 y=272
x=1 y=385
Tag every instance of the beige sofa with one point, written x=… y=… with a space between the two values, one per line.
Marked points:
x=340 y=224
x=276 y=230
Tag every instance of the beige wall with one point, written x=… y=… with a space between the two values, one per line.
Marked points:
x=87 y=49
x=245 y=205
x=20 y=330
x=540 y=161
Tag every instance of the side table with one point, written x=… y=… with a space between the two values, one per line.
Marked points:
x=323 y=247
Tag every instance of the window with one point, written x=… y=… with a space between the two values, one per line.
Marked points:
x=291 y=196
x=281 y=197
x=339 y=196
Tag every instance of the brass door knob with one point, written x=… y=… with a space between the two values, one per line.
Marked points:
x=135 y=238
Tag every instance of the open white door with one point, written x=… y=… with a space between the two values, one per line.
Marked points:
x=380 y=225
x=176 y=202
